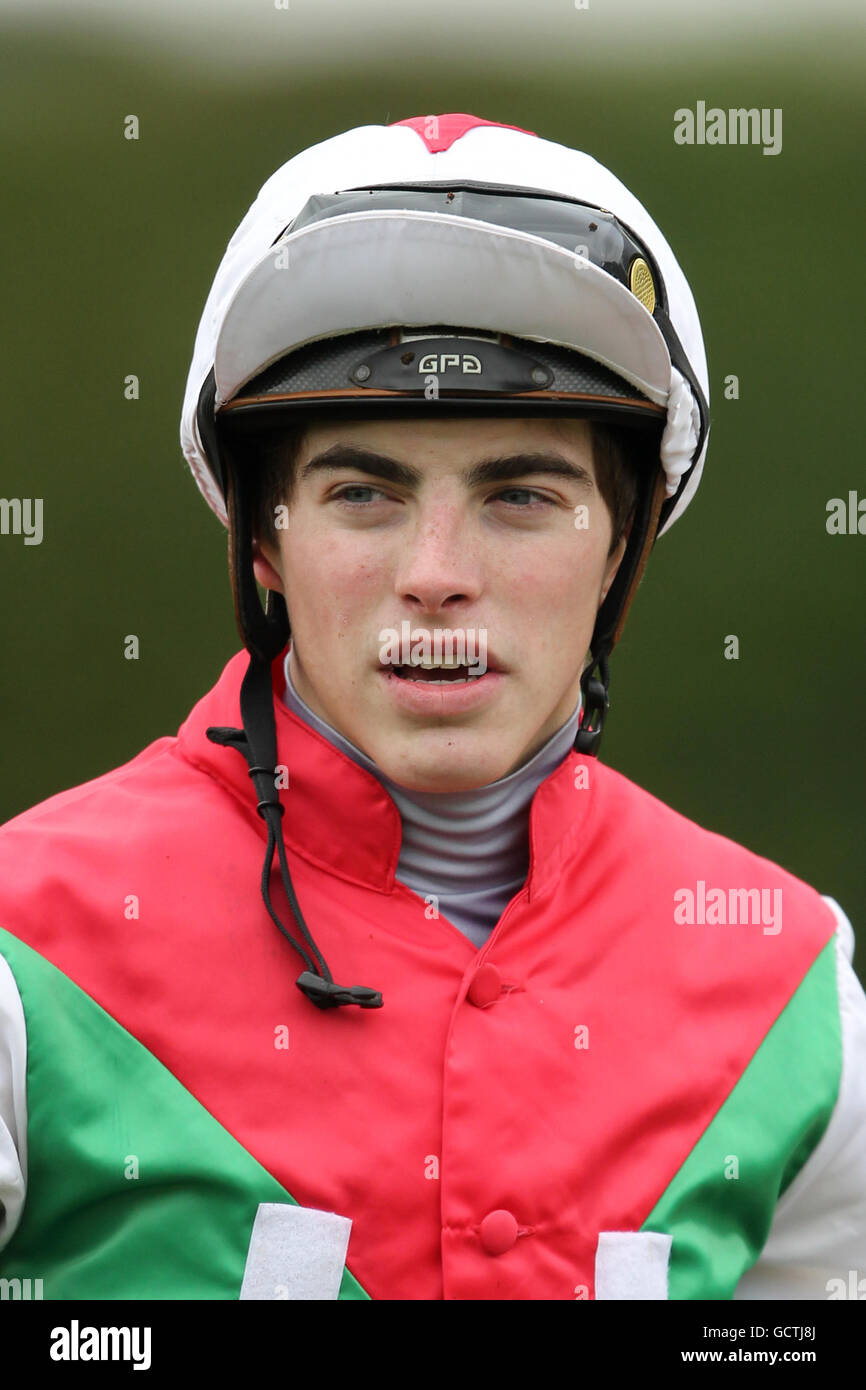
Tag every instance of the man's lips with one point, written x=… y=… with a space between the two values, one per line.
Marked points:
x=437 y=674
x=490 y=663
x=438 y=696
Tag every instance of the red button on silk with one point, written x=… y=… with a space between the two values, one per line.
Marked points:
x=485 y=987
x=498 y=1232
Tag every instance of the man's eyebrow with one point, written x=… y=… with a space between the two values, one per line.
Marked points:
x=491 y=470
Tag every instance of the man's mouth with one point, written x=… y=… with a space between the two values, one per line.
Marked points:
x=437 y=674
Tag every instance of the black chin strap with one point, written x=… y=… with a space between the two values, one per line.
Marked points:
x=596 y=703
x=258 y=743
x=611 y=615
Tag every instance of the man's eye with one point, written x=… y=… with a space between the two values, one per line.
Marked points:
x=342 y=495
x=524 y=492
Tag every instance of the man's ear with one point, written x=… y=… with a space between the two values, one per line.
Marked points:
x=266 y=559
x=615 y=560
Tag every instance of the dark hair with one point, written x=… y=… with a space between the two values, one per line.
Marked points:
x=617 y=452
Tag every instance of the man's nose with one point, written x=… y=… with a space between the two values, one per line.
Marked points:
x=439 y=559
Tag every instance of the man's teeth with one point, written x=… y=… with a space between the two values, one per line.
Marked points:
x=402 y=672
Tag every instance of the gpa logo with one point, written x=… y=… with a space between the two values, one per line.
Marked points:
x=440 y=362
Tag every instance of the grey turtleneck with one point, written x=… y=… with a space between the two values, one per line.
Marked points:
x=471 y=848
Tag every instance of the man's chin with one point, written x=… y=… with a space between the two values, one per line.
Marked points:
x=443 y=763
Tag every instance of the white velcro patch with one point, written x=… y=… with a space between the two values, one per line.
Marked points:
x=295 y=1253
x=632 y=1264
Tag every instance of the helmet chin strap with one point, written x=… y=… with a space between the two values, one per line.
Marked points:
x=612 y=614
x=596 y=703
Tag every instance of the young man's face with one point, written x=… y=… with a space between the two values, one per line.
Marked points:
x=507 y=558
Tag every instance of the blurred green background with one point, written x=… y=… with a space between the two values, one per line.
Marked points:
x=109 y=248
